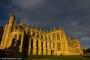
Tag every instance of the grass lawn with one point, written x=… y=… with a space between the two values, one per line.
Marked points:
x=58 y=58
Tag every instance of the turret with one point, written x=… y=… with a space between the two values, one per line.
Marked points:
x=7 y=30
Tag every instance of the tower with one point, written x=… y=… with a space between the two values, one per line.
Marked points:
x=7 y=30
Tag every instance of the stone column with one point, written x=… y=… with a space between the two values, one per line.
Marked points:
x=29 y=50
x=48 y=48
x=34 y=46
x=39 y=46
x=21 y=44
x=44 y=45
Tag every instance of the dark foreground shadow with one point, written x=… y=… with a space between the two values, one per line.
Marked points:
x=52 y=57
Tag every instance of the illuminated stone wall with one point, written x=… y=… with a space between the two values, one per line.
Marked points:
x=38 y=42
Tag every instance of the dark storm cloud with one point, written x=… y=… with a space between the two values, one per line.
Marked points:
x=73 y=15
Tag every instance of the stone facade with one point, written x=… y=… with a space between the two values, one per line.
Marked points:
x=34 y=41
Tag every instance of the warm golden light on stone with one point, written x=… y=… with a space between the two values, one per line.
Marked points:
x=37 y=42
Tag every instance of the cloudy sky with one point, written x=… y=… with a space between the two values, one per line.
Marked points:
x=72 y=15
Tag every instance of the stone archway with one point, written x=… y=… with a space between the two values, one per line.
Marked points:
x=52 y=52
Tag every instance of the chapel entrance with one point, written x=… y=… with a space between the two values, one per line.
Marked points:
x=52 y=52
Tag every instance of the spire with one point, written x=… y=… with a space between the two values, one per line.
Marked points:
x=50 y=29
x=60 y=27
x=36 y=28
x=40 y=29
x=21 y=22
x=54 y=28
x=32 y=26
